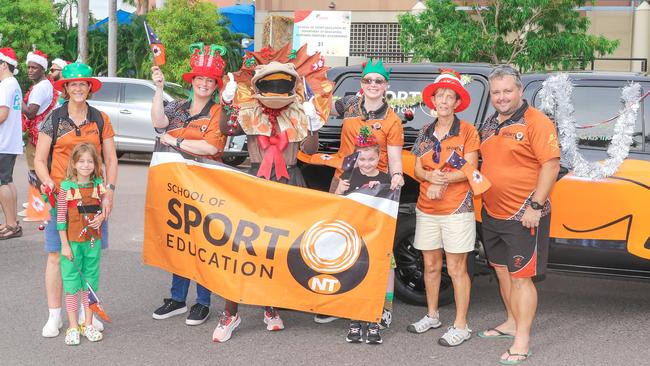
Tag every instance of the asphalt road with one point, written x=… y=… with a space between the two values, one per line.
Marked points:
x=581 y=320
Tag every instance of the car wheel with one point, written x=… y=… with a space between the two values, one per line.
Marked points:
x=409 y=274
x=234 y=160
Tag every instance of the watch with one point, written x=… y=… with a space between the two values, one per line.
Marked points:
x=536 y=206
x=111 y=186
x=178 y=142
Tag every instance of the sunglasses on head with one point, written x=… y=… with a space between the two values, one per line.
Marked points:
x=368 y=81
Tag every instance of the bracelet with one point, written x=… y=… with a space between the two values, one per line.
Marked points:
x=398 y=173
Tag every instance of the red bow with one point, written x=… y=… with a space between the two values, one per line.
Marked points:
x=273 y=147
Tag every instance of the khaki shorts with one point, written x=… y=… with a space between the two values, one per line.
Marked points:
x=454 y=233
x=30 y=151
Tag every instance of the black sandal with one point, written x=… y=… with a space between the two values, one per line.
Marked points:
x=11 y=232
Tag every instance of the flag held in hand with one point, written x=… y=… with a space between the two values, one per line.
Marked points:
x=477 y=181
x=156 y=46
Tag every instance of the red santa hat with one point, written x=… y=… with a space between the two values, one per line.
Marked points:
x=60 y=63
x=38 y=58
x=8 y=55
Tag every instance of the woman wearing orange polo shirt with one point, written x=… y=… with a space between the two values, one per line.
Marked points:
x=191 y=126
x=75 y=122
x=372 y=110
x=444 y=212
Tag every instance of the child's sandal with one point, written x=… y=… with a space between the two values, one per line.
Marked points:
x=92 y=334
x=72 y=337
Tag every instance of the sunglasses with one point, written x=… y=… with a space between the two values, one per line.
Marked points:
x=368 y=81
x=54 y=70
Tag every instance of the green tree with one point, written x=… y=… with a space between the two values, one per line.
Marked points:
x=532 y=34
x=182 y=22
x=24 y=23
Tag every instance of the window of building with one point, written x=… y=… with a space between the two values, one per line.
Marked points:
x=376 y=40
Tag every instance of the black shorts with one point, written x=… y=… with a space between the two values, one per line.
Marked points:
x=7 y=162
x=509 y=243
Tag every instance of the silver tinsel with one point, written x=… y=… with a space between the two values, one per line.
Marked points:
x=556 y=100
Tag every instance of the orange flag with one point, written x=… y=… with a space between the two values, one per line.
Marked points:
x=37 y=210
x=156 y=45
x=477 y=181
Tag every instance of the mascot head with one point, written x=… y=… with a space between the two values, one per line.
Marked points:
x=275 y=84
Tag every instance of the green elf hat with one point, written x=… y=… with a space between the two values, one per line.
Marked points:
x=77 y=71
x=377 y=68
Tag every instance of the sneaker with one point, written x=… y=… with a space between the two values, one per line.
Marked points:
x=198 y=314
x=225 y=326
x=98 y=324
x=324 y=319
x=425 y=324
x=51 y=328
x=355 y=334
x=386 y=319
x=72 y=337
x=272 y=320
x=374 y=334
x=455 y=336
x=92 y=334
x=169 y=309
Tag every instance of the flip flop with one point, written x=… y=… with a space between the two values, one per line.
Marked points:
x=500 y=334
x=515 y=362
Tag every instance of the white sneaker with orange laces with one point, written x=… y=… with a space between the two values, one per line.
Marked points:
x=226 y=324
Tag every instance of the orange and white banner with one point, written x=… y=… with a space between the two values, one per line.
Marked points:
x=265 y=243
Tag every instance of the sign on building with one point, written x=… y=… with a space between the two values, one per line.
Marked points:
x=327 y=32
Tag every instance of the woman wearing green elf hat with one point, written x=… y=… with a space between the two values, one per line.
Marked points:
x=67 y=126
x=369 y=109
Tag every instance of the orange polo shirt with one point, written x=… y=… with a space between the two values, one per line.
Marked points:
x=70 y=136
x=202 y=126
x=513 y=152
x=462 y=138
x=387 y=129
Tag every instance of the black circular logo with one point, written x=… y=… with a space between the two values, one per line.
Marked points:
x=329 y=258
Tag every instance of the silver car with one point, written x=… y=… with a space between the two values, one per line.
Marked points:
x=128 y=104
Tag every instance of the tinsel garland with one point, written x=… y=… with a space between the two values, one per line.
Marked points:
x=556 y=100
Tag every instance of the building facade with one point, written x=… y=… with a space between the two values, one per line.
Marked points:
x=375 y=30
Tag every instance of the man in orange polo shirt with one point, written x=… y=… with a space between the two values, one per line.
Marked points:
x=521 y=157
x=445 y=212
